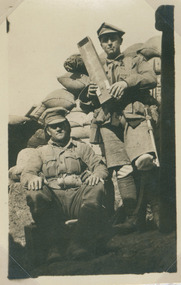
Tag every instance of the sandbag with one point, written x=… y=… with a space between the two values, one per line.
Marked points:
x=74 y=82
x=74 y=63
x=22 y=161
x=57 y=98
x=131 y=51
x=78 y=119
x=80 y=132
x=151 y=48
x=16 y=120
x=38 y=111
x=155 y=63
x=37 y=139
x=60 y=98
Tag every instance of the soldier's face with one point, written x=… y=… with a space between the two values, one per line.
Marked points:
x=60 y=132
x=111 y=44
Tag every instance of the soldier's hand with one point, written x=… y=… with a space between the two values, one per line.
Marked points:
x=117 y=89
x=85 y=175
x=35 y=183
x=92 y=180
x=92 y=90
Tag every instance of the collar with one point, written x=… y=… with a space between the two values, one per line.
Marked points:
x=69 y=144
x=118 y=58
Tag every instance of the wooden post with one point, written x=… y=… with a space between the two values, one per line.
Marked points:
x=165 y=23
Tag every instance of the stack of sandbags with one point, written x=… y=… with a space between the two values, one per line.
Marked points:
x=57 y=98
x=151 y=48
x=80 y=128
x=80 y=123
x=151 y=51
x=132 y=50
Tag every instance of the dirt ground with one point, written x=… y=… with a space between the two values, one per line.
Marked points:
x=136 y=253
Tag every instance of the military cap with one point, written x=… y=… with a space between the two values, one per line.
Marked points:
x=55 y=115
x=106 y=28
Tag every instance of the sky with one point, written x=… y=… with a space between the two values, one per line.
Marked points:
x=44 y=33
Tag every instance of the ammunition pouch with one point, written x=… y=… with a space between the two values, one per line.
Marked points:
x=65 y=182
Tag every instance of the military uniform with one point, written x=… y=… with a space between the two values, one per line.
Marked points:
x=63 y=195
x=129 y=109
x=71 y=161
x=125 y=132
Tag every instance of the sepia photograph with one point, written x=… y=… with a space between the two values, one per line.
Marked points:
x=89 y=141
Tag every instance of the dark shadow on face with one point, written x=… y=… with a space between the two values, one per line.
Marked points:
x=60 y=132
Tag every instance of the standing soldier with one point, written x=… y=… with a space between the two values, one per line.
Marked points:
x=125 y=133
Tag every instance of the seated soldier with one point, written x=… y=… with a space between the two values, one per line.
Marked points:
x=65 y=180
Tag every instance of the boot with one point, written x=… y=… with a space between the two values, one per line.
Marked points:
x=152 y=193
x=89 y=228
x=77 y=251
x=54 y=254
x=130 y=223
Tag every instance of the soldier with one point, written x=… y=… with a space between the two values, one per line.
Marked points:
x=125 y=133
x=65 y=180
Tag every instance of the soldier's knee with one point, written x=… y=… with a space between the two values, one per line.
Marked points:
x=38 y=201
x=145 y=162
x=124 y=171
x=89 y=205
x=100 y=191
x=100 y=187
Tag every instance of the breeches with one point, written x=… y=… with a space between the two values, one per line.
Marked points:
x=115 y=152
x=64 y=204
x=122 y=147
x=137 y=140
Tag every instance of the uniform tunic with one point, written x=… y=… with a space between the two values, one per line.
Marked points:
x=54 y=161
x=127 y=140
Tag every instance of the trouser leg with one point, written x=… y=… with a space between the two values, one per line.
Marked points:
x=92 y=220
x=148 y=190
x=127 y=190
x=48 y=217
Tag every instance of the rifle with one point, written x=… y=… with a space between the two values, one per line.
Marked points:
x=150 y=130
x=30 y=111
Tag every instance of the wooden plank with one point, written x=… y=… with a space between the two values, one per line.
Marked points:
x=95 y=69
